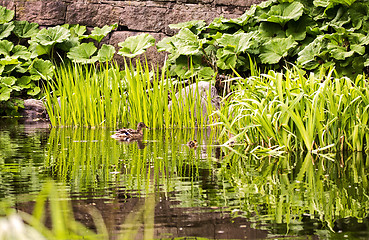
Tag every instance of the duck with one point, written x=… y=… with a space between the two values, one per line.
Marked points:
x=192 y=144
x=127 y=135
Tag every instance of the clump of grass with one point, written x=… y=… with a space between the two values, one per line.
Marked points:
x=106 y=96
x=299 y=112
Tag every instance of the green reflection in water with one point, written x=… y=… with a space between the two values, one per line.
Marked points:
x=292 y=188
x=89 y=160
x=282 y=195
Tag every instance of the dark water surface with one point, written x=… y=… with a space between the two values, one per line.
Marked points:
x=208 y=192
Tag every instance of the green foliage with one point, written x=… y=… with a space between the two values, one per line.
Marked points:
x=294 y=111
x=106 y=96
x=135 y=45
x=311 y=34
x=27 y=53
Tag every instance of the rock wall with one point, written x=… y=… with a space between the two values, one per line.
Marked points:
x=133 y=17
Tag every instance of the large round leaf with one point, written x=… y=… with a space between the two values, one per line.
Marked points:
x=51 y=36
x=6 y=15
x=24 y=29
x=6 y=30
x=105 y=53
x=43 y=68
x=83 y=53
x=273 y=50
x=136 y=45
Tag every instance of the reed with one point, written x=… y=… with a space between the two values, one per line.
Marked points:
x=106 y=96
x=296 y=111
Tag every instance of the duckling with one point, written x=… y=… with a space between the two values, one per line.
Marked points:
x=126 y=134
x=192 y=144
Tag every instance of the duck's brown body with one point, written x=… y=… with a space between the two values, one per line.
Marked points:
x=127 y=135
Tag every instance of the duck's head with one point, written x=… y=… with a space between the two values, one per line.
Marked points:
x=141 y=125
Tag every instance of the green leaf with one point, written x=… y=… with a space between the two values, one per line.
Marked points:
x=43 y=68
x=5 y=93
x=5 y=30
x=284 y=12
x=51 y=36
x=7 y=81
x=136 y=45
x=5 y=47
x=9 y=61
x=307 y=57
x=34 y=91
x=344 y=2
x=273 y=50
x=24 y=81
x=24 y=29
x=6 y=15
x=240 y=41
x=226 y=58
x=105 y=53
x=21 y=52
x=196 y=26
x=186 y=42
x=82 y=53
x=99 y=33
x=206 y=74
x=296 y=29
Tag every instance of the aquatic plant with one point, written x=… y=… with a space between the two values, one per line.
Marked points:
x=85 y=95
x=298 y=111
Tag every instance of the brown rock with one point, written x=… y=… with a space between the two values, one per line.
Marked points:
x=46 y=12
x=92 y=14
x=143 y=18
x=9 y=4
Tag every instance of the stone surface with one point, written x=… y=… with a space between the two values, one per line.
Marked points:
x=202 y=89
x=34 y=111
x=92 y=14
x=45 y=12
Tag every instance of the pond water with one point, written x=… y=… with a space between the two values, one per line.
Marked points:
x=210 y=192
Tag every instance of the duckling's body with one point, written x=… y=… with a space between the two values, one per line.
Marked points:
x=126 y=134
x=192 y=144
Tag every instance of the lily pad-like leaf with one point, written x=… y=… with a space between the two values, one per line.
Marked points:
x=82 y=53
x=226 y=58
x=136 y=45
x=284 y=12
x=5 y=93
x=6 y=47
x=99 y=33
x=7 y=81
x=21 y=52
x=51 y=36
x=24 y=29
x=186 y=42
x=34 y=91
x=6 y=15
x=105 y=53
x=272 y=51
x=43 y=68
x=5 y=30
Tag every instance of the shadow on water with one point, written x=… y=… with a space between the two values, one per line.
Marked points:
x=209 y=191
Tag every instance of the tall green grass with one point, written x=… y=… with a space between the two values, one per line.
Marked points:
x=296 y=111
x=106 y=96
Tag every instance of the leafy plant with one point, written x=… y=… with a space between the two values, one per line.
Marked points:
x=309 y=33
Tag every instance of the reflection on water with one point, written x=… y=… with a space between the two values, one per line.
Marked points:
x=209 y=191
